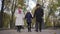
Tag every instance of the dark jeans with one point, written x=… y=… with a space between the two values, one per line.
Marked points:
x=29 y=26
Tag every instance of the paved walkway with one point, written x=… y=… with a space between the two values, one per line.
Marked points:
x=24 y=31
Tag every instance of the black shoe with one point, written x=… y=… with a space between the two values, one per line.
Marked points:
x=19 y=31
x=36 y=30
x=40 y=30
x=29 y=31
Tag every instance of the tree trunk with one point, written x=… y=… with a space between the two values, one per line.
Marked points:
x=13 y=11
x=1 y=15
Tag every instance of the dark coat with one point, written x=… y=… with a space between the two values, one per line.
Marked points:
x=28 y=17
x=38 y=14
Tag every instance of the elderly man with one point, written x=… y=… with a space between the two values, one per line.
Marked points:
x=38 y=14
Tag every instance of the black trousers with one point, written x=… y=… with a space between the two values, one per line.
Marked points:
x=19 y=28
x=38 y=25
x=29 y=26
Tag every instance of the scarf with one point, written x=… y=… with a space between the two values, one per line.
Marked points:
x=19 y=11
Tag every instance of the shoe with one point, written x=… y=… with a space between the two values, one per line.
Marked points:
x=36 y=30
x=29 y=31
x=40 y=30
x=19 y=31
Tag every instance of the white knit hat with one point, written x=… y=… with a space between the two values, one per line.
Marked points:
x=19 y=5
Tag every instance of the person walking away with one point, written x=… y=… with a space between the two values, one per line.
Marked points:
x=38 y=14
x=19 y=18
x=28 y=18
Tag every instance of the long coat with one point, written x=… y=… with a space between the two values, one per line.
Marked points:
x=38 y=14
x=19 y=17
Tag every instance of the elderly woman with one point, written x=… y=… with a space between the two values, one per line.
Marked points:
x=19 y=18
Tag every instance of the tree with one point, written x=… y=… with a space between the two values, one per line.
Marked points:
x=1 y=18
x=52 y=9
x=21 y=2
x=13 y=7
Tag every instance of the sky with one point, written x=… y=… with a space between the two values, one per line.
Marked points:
x=0 y=4
x=31 y=4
